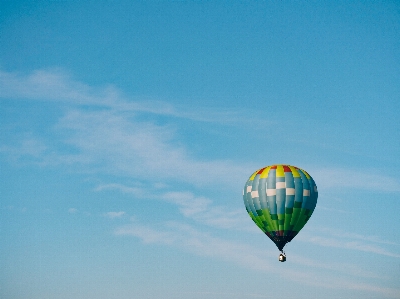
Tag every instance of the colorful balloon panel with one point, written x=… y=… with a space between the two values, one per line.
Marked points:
x=280 y=199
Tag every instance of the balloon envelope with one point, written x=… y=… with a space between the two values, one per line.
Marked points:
x=280 y=199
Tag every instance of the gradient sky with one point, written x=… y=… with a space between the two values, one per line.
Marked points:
x=129 y=128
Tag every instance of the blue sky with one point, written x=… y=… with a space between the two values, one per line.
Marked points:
x=129 y=128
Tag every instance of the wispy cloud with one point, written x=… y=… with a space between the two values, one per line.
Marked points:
x=202 y=210
x=198 y=208
x=57 y=85
x=53 y=85
x=344 y=268
x=227 y=294
x=189 y=239
x=188 y=204
x=72 y=210
x=366 y=179
x=354 y=245
x=141 y=149
x=320 y=207
x=109 y=142
x=113 y=138
x=113 y=215
x=146 y=234
x=25 y=147
x=200 y=243
x=327 y=237
x=342 y=234
x=137 y=191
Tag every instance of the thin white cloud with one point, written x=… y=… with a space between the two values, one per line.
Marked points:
x=198 y=208
x=122 y=188
x=113 y=215
x=200 y=243
x=72 y=210
x=25 y=147
x=225 y=295
x=203 y=211
x=340 y=267
x=327 y=237
x=57 y=85
x=203 y=244
x=146 y=234
x=342 y=234
x=52 y=85
x=113 y=139
x=320 y=207
x=122 y=145
x=353 y=245
x=366 y=179
x=188 y=204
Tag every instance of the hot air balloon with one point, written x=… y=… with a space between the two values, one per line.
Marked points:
x=280 y=199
